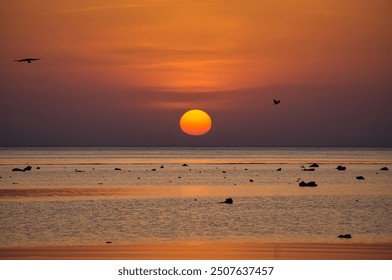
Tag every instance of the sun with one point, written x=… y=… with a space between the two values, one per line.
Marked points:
x=195 y=122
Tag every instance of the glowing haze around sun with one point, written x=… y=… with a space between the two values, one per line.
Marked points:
x=195 y=122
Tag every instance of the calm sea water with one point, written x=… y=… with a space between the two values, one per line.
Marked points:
x=123 y=195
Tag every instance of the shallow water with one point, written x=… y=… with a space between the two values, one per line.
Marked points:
x=143 y=202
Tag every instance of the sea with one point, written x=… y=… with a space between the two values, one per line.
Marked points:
x=95 y=196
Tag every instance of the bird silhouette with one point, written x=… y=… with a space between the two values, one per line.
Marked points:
x=276 y=101
x=28 y=60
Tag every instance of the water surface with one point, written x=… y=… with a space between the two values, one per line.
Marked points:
x=76 y=197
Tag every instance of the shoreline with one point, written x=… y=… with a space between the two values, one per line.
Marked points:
x=204 y=251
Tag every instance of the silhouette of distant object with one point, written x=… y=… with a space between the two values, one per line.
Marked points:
x=308 y=169
x=227 y=201
x=341 y=168
x=27 y=168
x=276 y=101
x=310 y=184
x=345 y=236
x=28 y=60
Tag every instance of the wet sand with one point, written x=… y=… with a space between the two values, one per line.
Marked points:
x=205 y=251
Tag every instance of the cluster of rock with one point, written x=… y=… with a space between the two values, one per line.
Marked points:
x=27 y=168
x=312 y=167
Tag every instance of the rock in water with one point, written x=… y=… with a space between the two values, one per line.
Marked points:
x=17 y=169
x=384 y=169
x=310 y=184
x=360 y=178
x=341 y=168
x=27 y=168
x=314 y=165
x=228 y=201
x=344 y=236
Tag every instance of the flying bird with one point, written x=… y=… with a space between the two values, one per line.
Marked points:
x=28 y=60
x=276 y=101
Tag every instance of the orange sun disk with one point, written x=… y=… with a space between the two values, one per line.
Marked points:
x=195 y=122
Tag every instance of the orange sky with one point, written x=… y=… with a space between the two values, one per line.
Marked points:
x=179 y=54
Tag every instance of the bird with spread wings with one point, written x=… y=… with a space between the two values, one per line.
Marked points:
x=28 y=60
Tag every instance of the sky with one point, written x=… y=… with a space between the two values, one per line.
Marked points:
x=122 y=73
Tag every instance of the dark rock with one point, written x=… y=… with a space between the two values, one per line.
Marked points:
x=17 y=169
x=341 y=168
x=308 y=169
x=344 y=236
x=117 y=168
x=314 y=165
x=108 y=242
x=310 y=184
x=250 y=180
x=228 y=201
x=40 y=167
x=279 y=169
x=162 y=166
x=77 y=170
x=223 y=171
x=153 y=169
x=384 y=169
x=27 y=168
x=360 y=178
x=185 y=164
